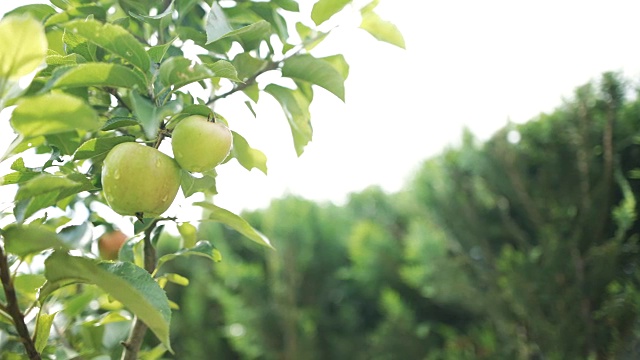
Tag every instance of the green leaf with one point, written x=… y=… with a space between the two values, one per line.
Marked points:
x=66 y=142
x=178 y=71
x=118 y=122
x=191 y=184
x=46 y=190
x=38 y=11
x=323 y=10
x=156 y=53
x=189 y=234
x=289 y=5
x=24 y=46
x=23 y=240
x=224 y=69
x=96 y=74
x=44 y=183
x=247 y=65
x=217 y=24
x=218 y=27
x=381 y=29
x=296 y=108
x=316 y=71
x=131 y=285
x=149 y=115
x=98 y=148
x=234 y=221
x=201 y=248
x=247 y=156
x=51 y=114
x=114 y=39
x=43 y=328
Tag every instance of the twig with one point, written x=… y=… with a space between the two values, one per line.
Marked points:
x=13 y=309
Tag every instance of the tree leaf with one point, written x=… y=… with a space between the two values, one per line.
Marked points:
x=38 y=11
x=381 y=29
x=131 y=285
x=218 y=27
x=201 y=248
x=323 y=10
x=247 y=156
x=46 y=190
x=191 y=184
x=296 y=109
x=23 y=240
x=316 y=71
x=97 y=149
x=24 y=46
x=118 y=122
x=43 y=328
x=189 y=234
x=217 y=24
x=156 y=53
x=149 y=115
x=51 y=114
x=96 y=74
x=114 y=39
x=234 y=221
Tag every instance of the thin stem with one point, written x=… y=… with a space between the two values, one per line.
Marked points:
x=13 y=309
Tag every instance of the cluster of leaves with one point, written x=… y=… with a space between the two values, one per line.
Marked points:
x=524 y=246
x=83 y=76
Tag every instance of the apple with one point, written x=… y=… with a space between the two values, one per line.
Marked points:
x=138 y=179
x=109 y=244
x=200 y=145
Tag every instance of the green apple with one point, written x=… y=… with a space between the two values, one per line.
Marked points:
x=139 y=179
x=200 y=145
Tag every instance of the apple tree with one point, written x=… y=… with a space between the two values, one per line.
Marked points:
x=94 y=92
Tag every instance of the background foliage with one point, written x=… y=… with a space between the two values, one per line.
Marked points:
x=524 y=246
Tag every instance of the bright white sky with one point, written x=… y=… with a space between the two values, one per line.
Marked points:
x=467 y=63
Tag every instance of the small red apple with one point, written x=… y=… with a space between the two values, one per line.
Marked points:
x=109 y=244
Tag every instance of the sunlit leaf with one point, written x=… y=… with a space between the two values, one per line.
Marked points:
x=112 y=38
x=323 y=10
x=296 y=109
x=131 y=285
x=24 y=46
x=51 y=114
x=218 y=27
x=189 y=234
x=96 y=74
x=191 y=184
x=381 y=29
x=23 y=240
x=247 y=156
x=316 y=71
x=234 y=221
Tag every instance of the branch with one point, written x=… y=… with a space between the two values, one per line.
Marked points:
x=250 y=81
x=13 y=309
x=133 y=344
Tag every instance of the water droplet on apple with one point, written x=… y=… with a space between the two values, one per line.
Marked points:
x=158 y=163
x=116 y=175
x=164 y=199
